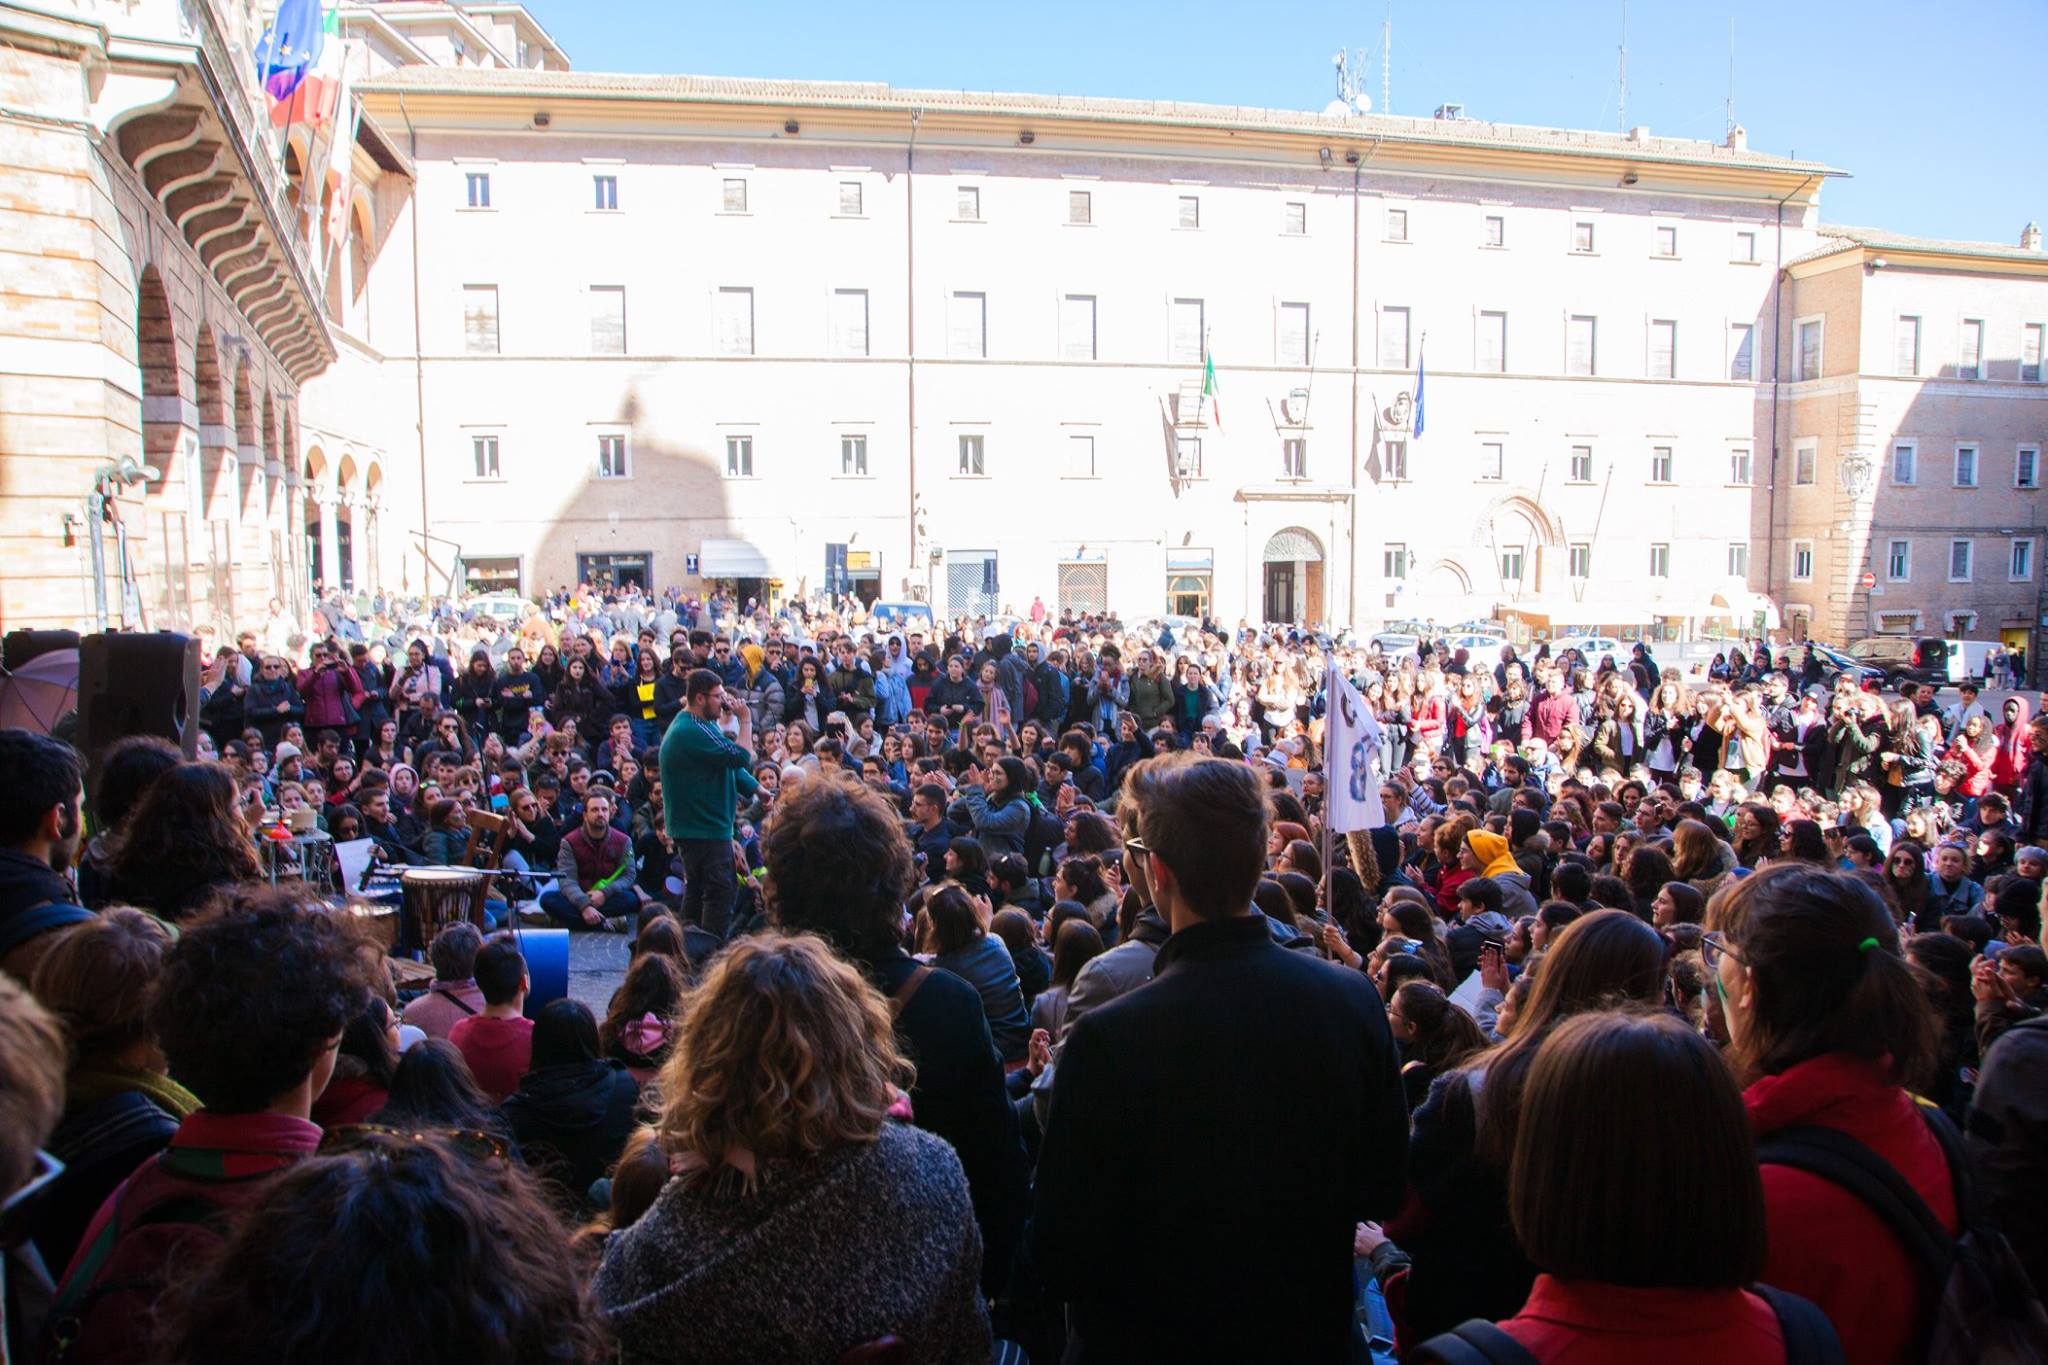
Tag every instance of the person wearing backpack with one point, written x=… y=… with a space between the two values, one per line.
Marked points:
x=1828 y=1028
x=1635 y=1265
x=249 y=1011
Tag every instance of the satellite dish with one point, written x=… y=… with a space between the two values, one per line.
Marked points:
x=1337 y=109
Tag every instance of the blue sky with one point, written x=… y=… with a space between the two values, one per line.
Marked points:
x=1936 y=114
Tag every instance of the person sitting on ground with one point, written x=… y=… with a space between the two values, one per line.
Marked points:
x=31 y=1100
x=249 y=1011
x=595 y=872
x=765 y=1244
x=497 y=1043
x=574 y=1108
x=1435 y=1035
x=439 y=1253
x=1618 y=1282
x=363 y=1068
x=959 y=944
x=432 y=1089
x=119 y=1106
x=453 y=996
x=637 y=1031
x=188 y=839
x=127 y=768
x=42 y=827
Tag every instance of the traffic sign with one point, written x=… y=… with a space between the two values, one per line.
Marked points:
x=1869 y=579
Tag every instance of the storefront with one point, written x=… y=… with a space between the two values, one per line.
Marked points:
x=1190 y=575
x=492 y=573
x=631 y=569
x=853 y=573
x=741 y=566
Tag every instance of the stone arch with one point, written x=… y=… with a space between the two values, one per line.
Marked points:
x=317 y=501
x=1512 y=508
x=248 y=442
x=1446 y=578
x=216 y=438
x=163 y=377
x=1292 y=586
x=348 y=531
x=361 y=238
x=273 y=469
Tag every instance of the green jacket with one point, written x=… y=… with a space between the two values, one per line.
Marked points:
x=1151 y=698
x=703 y=776
x=859 y=682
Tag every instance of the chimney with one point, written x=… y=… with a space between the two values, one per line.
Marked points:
x=2030 y=237
x=1639 y=133
x=1738 y=138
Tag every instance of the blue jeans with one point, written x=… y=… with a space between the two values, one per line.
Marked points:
x=619 y=900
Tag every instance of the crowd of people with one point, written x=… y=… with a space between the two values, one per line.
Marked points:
x=998 y=989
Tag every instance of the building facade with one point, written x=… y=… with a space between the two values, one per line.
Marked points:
x=161 y=315
x=1915 y=412
x=954 y=347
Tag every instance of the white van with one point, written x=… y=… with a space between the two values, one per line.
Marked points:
x=1966 y=658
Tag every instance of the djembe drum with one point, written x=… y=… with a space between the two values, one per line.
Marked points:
x=435 y=897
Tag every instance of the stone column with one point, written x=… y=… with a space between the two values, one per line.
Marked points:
x=330 y=538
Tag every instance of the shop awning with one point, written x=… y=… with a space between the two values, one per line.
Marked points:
x=1580 y=613
x=732 y=559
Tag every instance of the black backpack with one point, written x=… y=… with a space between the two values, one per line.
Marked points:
x=1986 y=1309
x=1041 y=836
x=1809 y=1338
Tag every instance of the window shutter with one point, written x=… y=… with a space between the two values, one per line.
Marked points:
x=1908 y=358
x=480 y=320
x=736 y=321
x=1394 y=338
x=1077 y=327
x=967 y=331
x=1663 y=349
x=1579 y=347
x=1493 y=343
x=1187 y=331
x=607 y=320
x=1294 y=334
x=1742 y=359
x=849 y=322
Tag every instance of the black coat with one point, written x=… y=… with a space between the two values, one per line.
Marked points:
x=1467 y=1263
x=571 y=1122
x=1214 y=1137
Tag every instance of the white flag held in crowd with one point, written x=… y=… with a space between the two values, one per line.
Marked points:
x=1351 y=758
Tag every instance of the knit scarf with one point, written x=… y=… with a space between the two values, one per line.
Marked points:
x=88 y=1085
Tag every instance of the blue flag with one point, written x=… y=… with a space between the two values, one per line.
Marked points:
x=290 y=46
x=1418 y=393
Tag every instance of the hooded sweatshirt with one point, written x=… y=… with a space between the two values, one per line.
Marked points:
x=1516 y=899
x=571 y=1122
x=34 y=900
x=2009 y=759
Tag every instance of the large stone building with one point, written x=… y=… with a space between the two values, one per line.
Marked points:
x=158 y=316
x=1912 y=423
x=945 y=345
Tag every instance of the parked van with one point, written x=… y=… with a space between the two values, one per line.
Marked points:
x=1966 y=658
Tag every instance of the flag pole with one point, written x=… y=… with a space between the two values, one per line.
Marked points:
x=1330 y=703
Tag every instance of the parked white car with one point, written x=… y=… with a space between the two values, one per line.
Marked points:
x=1593 y=648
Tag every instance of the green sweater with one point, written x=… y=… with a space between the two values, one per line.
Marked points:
x=703 y=775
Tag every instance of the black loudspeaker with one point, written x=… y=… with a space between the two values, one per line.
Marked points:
x=22 y=645
x=137 y=685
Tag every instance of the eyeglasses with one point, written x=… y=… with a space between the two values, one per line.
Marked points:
x=1714 y=947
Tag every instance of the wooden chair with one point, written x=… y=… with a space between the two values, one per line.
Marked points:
x=489 y=832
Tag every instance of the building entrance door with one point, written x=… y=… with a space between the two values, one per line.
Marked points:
x=1279 y=604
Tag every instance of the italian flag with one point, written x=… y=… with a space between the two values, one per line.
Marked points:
x=1209 y=387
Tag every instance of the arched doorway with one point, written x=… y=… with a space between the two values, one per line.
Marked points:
x=348 y=493
x=1293 y=591
x=315 y=518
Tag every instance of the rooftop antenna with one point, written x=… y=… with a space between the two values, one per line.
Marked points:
x=1387 y=61
x=1350 y=100
x=1731 y=75
x=1621 y=102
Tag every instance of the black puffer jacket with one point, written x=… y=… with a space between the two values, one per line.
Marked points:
x=571 y=1122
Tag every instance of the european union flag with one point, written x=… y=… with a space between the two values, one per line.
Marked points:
x=290 y=46
x=1418 y=393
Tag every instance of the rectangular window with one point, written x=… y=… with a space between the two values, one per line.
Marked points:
x=1294 y=334
x=612 y=460
x=1582 y=464
x=853 y=457
x=1663 y=348
x=1188 y=334
x=1667 y=241
x=967 y=326
x=480 y=319
x=1077 y=327
x=1660 y=561
x=1660 y=464
x=735 y=321
x=1495 y=230
x=1187 y=457
x=1745 y=246
x=605 y=188
x=2021 y=567
x=2026 y=467
x=1966 y=466
x=1959 y=557
x=1080 y=457
x=1738 y=559
x=1511 y=566
x=1739 y=467
x=484 y=451
x=1898 y=561
x=1579 y=560
x=849 y=199
x=971 y=451
x=735 y=200
x=1080 y=207
x=849 y=322
x=1490 y=353
x=1970 y=360
x=1394 y=338
x=1188 y=213
x=1582 y=237
x=1294 y=220
x=739 y=457
x=1802 y=560
x=2030 y=351
x=1294 y=457
x=607 y=319
x=1741 y=353
x=1394 y=560
x=1581 y=339
x=1397 y=225
x=1806 y=464
x=1905 y=464
x=1492 y=459
x=967 y=203
x=479 y=185
x=1396 y=460
x=1907 y=348
x=1808 y=350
